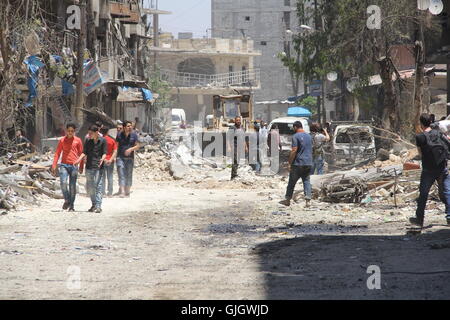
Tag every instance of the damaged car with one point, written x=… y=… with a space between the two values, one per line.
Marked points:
x=352 y=144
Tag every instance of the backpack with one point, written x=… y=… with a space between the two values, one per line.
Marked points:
x=439 y=146
x=317 y=146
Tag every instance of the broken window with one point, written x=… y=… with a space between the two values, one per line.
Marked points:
x=354 y=135
x=263 y=43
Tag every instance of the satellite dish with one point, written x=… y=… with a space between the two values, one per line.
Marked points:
x=423 y=4
x=352 y=83
x=311 y=56
x=436 y=7
x=332 y=76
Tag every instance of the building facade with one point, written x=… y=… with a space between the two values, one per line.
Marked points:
x=198 y=69
x=265 y=22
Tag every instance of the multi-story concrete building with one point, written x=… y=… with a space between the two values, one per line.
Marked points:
x=198 y=69
x=266 y=23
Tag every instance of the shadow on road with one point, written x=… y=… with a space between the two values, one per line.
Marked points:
x=335 y=267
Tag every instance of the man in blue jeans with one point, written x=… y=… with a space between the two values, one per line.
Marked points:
x=300 y=163
x=319 y=138
x=111 y=154
x=433 y=169
x=94 y=151
x=128 y=143
x=69 y=149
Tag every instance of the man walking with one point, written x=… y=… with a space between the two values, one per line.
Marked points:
x=111 y=154
x=71 y=147
x=95 y=154
x=237 y=133
x=300 y=163
x=127 y=145
x=319 y=138
x=433 y=146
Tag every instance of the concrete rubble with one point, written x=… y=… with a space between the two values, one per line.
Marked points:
x=25 y=181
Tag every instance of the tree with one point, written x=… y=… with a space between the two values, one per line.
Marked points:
x=343 y=43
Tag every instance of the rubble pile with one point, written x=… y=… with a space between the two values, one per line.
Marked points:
x=397 y=184
x=153 y=164
x=346 y=190
x=25 y=181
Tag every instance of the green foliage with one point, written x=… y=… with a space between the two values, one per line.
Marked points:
x=309 y=102
x=161 y=87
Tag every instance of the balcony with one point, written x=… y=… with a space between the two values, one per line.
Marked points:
x=239 y=79
x=128 y=13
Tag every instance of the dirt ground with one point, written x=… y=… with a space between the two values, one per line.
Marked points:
x=172 y=242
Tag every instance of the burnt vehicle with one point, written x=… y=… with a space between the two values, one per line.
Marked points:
x=351 y=143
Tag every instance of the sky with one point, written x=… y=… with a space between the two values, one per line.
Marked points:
x=187 y=16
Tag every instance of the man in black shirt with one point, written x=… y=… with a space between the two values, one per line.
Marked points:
x=95 y=152
x=128 y=143
x=432 y=170
x=22 y=142
x=236 y=144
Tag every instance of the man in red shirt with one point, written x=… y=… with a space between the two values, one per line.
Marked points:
x=71 y=148
x=111 y=154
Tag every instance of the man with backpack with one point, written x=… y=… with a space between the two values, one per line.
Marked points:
x=434 y=148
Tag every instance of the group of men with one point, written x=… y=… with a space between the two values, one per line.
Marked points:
x=304 y=158
x=98 y=153
x=433 y=147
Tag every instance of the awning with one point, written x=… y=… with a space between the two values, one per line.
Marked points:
x=298 y=111
x=134 y=94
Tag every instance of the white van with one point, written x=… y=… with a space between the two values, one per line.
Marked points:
x=286 y=128
x=178 y=115
x=353 y=143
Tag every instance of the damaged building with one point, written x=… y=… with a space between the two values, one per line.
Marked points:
x=114 y=82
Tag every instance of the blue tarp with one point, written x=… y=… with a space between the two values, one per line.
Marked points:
x=33 y=65
x=147 y=94
x=298 y=111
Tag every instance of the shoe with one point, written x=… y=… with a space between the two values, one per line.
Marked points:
x=71 y=209
x=98 y=210
x=117 y=194
x=109 y=194
x=286 y=202
x=416 y=221
x=92 y=209
x=448 y=221
x=308 y=203
x=66 y=205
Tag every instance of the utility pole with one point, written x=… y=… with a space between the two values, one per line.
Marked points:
x=319 y=98
x=79 y=100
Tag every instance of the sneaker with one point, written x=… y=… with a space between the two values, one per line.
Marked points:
x=92 y=209
x=308 y=203
x=286 y=202
x=98 y=210
x=71 y=209
x=66 y=205
x=416 y=221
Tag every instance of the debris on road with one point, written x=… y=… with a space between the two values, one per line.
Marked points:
x=23 y=181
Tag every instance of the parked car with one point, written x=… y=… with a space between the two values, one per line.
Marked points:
x=178 y=116
x=285 y=127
